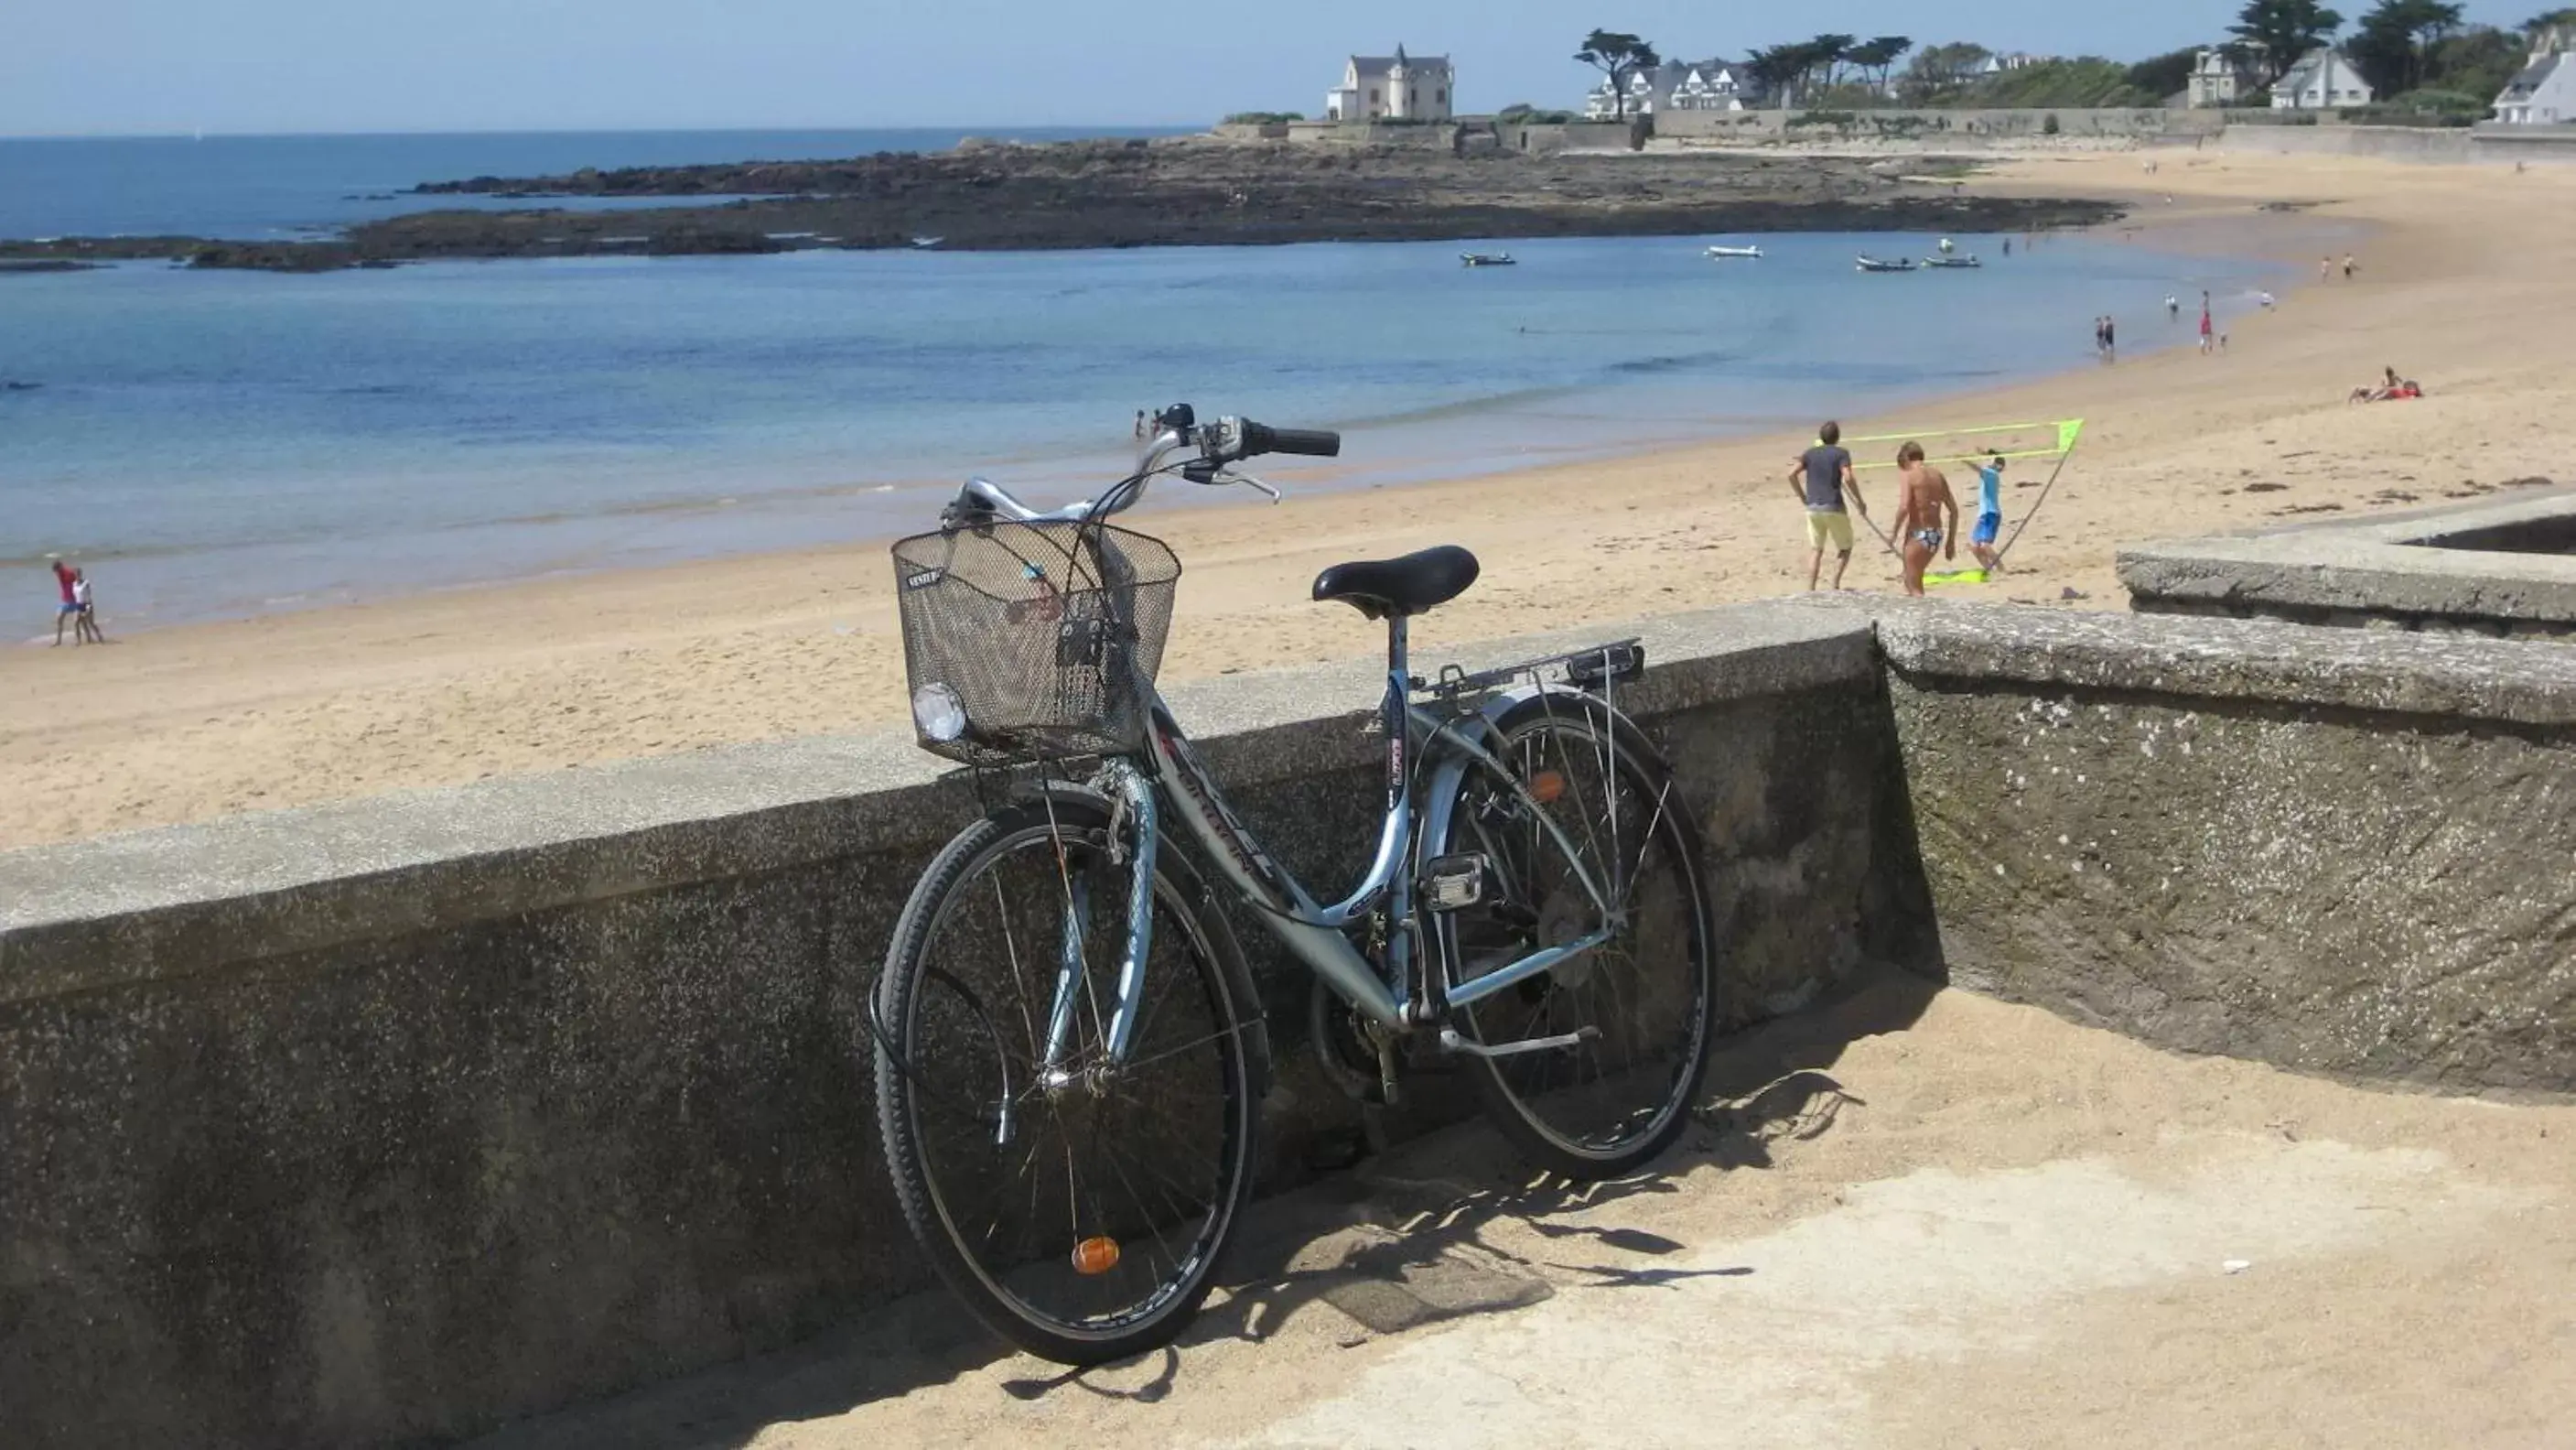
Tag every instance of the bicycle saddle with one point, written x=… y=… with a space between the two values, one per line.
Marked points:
x=1400 y=588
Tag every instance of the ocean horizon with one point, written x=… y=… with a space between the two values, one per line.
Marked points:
x=226 y=444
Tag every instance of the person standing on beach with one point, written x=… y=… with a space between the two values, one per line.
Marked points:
x=2173 y=308
x=68 y=610
x=2110 y=340
x=1990 y=515
x=2349 y=266
x=2207 y=334
x=85 y=623
x=2325 y=269
x=2101 y=343
x=1822 y=479
x=1922 y=525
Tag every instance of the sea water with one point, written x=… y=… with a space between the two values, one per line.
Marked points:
x=224 y=443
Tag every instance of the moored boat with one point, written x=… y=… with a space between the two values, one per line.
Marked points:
x=1487 y=259
x=1874 y=264
x=1752 y=252
x=1952 y=263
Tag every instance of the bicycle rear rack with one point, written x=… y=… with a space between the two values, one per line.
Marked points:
x=1588 y=668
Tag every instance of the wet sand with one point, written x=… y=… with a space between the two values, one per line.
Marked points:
x=2462 y=270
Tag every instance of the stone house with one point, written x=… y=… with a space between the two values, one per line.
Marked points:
x=1394 y=87
x=2224 y=75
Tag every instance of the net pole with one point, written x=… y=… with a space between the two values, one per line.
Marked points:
x=2036 y=505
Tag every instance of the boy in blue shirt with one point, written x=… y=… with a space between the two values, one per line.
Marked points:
x=1990 y=514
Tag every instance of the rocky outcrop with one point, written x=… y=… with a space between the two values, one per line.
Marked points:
x=1115 y=194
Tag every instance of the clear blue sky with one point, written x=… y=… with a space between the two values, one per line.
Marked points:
x=157 y=66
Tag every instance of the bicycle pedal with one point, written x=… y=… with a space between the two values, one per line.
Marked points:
x=1454 y=883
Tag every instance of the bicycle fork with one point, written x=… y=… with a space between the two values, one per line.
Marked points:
x=1132 y=799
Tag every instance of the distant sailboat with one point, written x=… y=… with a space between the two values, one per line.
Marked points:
x=201 y=133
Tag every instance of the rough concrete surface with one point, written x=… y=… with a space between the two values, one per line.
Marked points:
x=387 y=1121
x=2336 y=851
x=2489 y=567
x=1993 y=1228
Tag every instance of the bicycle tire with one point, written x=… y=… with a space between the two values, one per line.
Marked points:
x=915 y=1100
x=1512 y=1090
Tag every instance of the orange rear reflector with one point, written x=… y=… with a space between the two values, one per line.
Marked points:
x=1546 y=786
x=1095 y=1256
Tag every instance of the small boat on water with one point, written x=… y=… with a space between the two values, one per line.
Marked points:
x=1874 y=264
x=1753 y=252
x=1952 y=263
x=926 y=243
x=1487 y=259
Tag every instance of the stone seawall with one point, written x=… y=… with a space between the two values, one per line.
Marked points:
x=2339 y=851
x=390 y=1121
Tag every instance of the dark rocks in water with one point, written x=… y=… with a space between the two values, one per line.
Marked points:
x=12 y=385
x=1111 y=194
x=33 y=265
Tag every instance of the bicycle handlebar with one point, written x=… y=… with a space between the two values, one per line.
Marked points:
x=1259 y=438
x=1225 y=441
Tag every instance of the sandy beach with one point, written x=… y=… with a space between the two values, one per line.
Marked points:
x=2458 y=267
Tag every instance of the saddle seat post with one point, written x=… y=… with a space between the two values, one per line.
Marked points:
x=1395 y=719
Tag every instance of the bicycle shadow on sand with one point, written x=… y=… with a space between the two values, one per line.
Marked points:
x=1442 y=1227
x=1453 y=1225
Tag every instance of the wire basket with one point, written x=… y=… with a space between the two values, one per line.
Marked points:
x=1045 y=637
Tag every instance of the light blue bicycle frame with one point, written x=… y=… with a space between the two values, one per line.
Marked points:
x=1317 y=935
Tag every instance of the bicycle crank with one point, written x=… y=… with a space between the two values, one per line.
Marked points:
x=1452 y=1041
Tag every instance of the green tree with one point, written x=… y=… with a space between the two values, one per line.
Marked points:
x=2395 y=44
x=2282 y=31
x=1772 y=71
x=2548 y=18
x=1828 y=54
x=2165 y=74
x=1941 y=68
x=1619 y=56
x=1879 y=57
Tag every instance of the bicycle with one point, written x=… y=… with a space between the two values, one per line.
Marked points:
x=1069 y=1052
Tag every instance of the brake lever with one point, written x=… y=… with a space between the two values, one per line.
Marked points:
x=1247 y=479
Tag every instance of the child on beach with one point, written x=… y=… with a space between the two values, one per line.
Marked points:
x=1922 y=526
x=1990 y=515
x=85 y=628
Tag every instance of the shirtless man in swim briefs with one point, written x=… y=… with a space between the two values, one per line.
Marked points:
x=1922 y=528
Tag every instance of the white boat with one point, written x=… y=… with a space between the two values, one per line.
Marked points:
x=1873 y=264
x=1753 y=252
x=1952 y=263
x=1487 y=259
x=925 y=243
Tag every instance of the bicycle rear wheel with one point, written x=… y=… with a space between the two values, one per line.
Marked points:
x=1079 y=1213
x=1645 y=1001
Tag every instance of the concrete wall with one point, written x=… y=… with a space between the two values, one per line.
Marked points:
x=2504 y=566
x=1946 y=125
x=392 y=1120
x=2387 y=143
x=2338 y=851
x=1540 y=139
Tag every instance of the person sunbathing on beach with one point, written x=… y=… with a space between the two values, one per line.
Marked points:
x=2391 y=386
x=1922 y=527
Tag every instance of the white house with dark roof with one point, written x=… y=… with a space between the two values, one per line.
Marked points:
x=1676 y=85
x=2542 y=93
x=2322 y=80
x=1394 y=87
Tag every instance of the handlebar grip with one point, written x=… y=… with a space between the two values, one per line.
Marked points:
x=1312 y=442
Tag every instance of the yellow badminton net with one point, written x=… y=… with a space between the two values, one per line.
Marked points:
x=2048 y=444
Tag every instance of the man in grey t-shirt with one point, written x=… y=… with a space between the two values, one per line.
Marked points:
x=1820 y=478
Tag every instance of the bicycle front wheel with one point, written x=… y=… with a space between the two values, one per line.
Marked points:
x=1587 y=798
x=1078 y=1206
